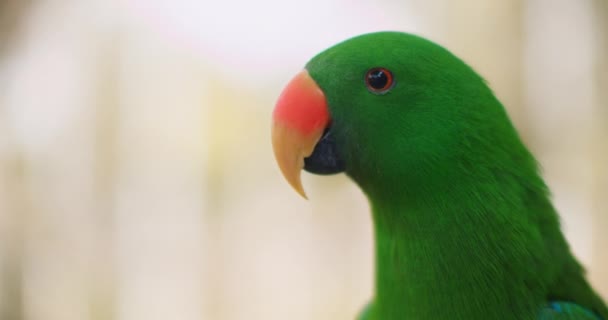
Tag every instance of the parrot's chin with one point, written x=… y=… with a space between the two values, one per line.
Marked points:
x=325 y=158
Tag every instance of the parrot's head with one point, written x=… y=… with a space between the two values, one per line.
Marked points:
x=385 y=108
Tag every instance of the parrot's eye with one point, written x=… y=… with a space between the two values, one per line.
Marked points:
x=379 y=80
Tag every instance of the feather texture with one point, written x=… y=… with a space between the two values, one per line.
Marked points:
x=463 y=223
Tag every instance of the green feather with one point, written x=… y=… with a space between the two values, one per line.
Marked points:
x=464 y=228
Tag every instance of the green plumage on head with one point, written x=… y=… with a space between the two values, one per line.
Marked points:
x=464 y=228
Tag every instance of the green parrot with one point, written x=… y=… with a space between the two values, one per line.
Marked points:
x=464 y=228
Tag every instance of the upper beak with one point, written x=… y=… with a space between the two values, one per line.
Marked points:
x=298 y=121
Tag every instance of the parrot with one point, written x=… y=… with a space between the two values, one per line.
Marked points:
x=463 y=223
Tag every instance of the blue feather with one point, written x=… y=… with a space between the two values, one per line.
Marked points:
x=561 y=310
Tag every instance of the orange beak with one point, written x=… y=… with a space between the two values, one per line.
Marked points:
x=298 y=121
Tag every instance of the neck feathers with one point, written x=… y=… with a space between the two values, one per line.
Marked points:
x=467 y=252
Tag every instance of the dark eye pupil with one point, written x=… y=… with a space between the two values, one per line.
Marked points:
x=377 y=79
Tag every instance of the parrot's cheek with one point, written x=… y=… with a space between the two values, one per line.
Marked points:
x=325 y=158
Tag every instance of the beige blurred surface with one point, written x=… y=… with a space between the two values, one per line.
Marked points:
x=136 y=174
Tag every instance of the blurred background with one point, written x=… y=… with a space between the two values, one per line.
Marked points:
x=137 y=179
